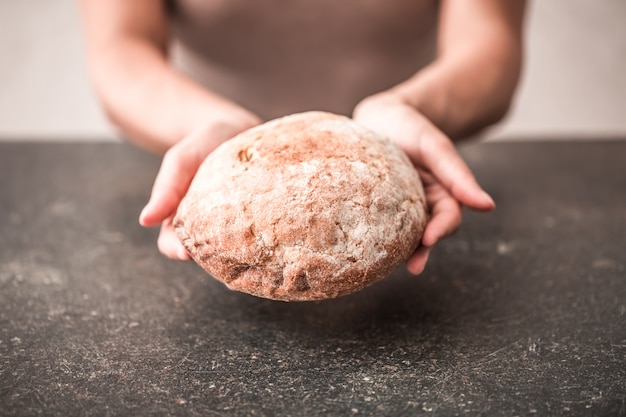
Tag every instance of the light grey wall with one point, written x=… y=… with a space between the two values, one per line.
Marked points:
x=44 y=91
x=574 y=82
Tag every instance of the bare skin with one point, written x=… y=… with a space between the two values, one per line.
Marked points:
x=466 y=88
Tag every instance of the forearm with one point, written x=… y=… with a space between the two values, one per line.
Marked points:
x=471 y=83
x=149 y=101
x=464 y=94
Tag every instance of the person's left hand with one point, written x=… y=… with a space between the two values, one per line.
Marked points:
x=448 y=182
x=179 y=166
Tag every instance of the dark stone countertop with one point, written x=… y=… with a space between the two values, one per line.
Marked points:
x=522 y=313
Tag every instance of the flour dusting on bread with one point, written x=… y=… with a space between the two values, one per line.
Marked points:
x=305 y=207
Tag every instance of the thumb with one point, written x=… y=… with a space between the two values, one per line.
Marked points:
x=435 y=152
x=179 y=166
x=170 y=186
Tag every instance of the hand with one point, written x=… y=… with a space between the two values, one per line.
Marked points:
x=179 y=166
x=448 y=182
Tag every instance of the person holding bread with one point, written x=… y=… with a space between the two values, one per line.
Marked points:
x=180 y=77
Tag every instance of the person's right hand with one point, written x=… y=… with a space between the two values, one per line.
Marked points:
x=448 y=182
x=179 y=166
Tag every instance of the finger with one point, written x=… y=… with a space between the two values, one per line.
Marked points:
x=180 y=165
x=169 y=244
x=448 y=167
x=435 y=152
x=446 y=216
x=177 y=170
x=417 y=262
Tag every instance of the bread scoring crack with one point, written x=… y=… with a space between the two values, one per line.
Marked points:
x=247 y=154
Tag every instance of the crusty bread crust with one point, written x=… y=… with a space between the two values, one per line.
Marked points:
x=305 y=207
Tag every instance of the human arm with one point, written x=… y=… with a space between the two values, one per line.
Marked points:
x=468 y=87
x=152 y=104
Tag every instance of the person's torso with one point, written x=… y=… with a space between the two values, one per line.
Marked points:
x=276 y=57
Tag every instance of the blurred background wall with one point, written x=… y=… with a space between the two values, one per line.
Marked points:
x=574 y=81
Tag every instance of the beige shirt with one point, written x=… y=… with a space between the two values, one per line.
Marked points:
x=276 y=57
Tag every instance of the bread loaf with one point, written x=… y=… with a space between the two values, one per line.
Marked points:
x=305 y=207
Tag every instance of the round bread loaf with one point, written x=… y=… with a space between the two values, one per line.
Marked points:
x=305 y=207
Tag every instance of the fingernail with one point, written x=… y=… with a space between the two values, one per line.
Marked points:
x=419 y=271
x=145 y=211
x=142 y=215
x=488 y=198
x=182 y=254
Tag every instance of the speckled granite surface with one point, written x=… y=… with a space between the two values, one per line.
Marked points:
x=523 y=312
